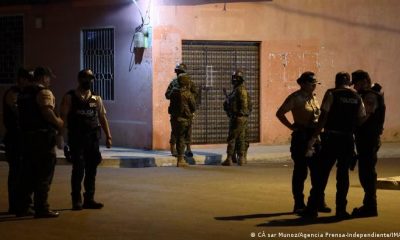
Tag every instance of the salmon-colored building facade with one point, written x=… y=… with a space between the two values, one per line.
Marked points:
x=293 y=36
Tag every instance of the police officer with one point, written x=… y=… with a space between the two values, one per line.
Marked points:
x=174 y=84
x=341 y=111
x=237 y=106
x=305 y=110
x=182 y=108
x=39 y=125
x=12 y=134
x=84 y=114
x=368 y=140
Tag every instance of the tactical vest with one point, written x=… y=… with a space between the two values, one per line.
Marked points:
x=30 y=114
x=374 y=123
x=83 y=116
x=343 y=115
x=232 y=105
x=10 y=117
x=179 y=105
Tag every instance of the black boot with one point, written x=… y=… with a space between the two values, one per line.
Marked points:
x=90 y=203
x=77 y=202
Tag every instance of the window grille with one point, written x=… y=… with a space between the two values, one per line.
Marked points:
x=98 y=55
x=11 y=47
x=210 y=65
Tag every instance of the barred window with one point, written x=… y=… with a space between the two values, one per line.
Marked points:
x=11 y=47
x=98 y=55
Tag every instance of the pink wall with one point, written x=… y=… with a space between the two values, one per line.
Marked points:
x=295 y=35
x=57 y=45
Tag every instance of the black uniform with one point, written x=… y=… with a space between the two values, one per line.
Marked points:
x=337 y=146
x=368 y=143
x=12 y=150
x=39 y=157
x=83 y=139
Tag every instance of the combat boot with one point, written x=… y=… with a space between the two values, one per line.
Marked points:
x=245 y=157
x=228 y=161
x=188 y=152
x=90 y=203
x=235 y=158
x=181 y=162
x=172 y=148
x=241 y=160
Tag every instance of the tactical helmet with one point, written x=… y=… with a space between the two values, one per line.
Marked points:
x=180 y=67
x=238 y=74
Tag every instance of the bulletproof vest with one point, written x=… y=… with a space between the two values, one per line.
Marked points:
x=83 y=115
x=232 y=105
x=30 y=115
x=343 y=114
x=374 y=123
x=10 y=117
x=179 y=105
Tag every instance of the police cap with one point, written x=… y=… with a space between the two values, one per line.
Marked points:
x=307 y=77
x=43 y=71
x=86 y=73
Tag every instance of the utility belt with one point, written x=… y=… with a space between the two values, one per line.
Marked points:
x=79 y=133
x=39 y=131
x=336 y=132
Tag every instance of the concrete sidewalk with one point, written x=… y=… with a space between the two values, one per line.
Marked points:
x=203 y=155
x=213 y=155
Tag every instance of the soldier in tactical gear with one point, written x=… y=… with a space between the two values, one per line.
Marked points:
x=85 y=115
x=12 y=139
x=180 y=68
x=342 y=110
x=368 y=140
x=238 y=107
x=39 y=126
x=182 y=108
x=305 y=110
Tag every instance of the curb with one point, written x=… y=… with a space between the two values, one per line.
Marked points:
x=391 y=183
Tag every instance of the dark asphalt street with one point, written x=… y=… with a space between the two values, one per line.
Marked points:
x=198 y=202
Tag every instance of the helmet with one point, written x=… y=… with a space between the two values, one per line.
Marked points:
x=181 y=67
x=238 y=74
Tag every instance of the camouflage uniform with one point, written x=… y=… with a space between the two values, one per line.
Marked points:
x=238 y=107
x=174 y=84
x=181 y=108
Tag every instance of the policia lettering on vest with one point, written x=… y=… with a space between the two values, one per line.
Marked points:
x=342 y=110
x=85 y=116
